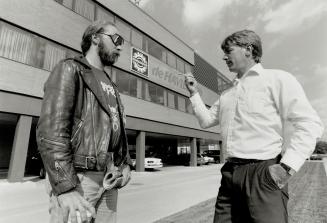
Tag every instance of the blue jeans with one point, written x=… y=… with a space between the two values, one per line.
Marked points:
x=104 y=201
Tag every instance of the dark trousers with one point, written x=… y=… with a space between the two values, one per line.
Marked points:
x=248 y=194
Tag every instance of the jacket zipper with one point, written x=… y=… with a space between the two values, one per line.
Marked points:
x=77 y=130
x=58 y=167
x=53 y=142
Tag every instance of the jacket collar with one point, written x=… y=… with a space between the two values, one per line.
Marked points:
x=92 y=83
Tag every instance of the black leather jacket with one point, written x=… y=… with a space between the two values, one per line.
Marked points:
x=74 y=128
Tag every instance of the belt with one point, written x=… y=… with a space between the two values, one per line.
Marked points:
x=235 y=160
x=91 y=162
x=85 y=162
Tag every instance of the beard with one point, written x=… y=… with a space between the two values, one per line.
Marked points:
x=107 y=58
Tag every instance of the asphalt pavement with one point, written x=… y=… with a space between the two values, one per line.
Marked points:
x=150 y=195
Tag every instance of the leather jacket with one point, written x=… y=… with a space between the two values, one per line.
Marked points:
x=74 y=127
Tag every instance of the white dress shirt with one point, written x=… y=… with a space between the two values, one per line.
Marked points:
x=253 y=113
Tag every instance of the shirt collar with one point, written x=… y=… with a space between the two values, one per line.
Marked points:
x=255 y=69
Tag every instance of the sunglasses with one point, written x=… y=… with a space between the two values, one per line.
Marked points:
x=116 y=39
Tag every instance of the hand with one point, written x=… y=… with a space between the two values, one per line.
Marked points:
x=72 y=202
x=191 y=83
x=279 y=175
x=126 y=175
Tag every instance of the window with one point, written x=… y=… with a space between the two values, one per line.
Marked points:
x=189 y=108
x=122 y=81
x=139 y=88
x=16 y=44
x=137 y=39
x=85 y=8
x=132 y=85
x=145 y=44
x=171 y=60
x=102 y=14
x=188 y=68
x=127 y=83
x=161 y=95
x=180 y=65
x=53 y=54
x=171 y=100
x=30 y=49
x=154 y=93
x=181 y=103
x=38 y=54
x=156 y=50
x=124 y=29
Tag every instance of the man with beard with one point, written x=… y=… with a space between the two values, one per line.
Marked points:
x=81 y=131
x=252 y=115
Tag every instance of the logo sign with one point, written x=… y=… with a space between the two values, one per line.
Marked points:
x=140 y=62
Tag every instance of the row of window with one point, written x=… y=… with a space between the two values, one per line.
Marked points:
x=24 y=47
x=137 y=87
x=208 y=76
x=27 y=48
x=93 y=11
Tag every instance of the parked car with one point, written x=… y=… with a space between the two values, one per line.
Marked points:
x=316 y=157
x=213 y=153
x=199 y=159
x=150 y=162
x=208 y=159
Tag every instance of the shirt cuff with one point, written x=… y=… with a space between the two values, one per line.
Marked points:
x=293 y=160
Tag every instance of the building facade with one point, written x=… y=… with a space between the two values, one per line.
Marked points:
x=36 y=34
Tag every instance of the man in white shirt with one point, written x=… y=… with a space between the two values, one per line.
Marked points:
x=252 y=115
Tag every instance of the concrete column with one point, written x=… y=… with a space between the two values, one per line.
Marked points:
x=193 y=161
x=140 y=151
x=19 y=150
x=222 y=155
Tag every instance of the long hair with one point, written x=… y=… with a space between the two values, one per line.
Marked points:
x=92 y=29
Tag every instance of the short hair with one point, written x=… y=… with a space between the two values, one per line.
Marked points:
x=95 y=27
x=244 y=38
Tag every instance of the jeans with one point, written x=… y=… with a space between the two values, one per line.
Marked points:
x=104 y=201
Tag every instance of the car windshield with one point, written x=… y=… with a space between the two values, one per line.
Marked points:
x=147 y=154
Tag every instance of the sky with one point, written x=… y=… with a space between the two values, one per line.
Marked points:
x=293 y=34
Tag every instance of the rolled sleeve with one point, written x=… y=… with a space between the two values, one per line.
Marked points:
x=206 y=117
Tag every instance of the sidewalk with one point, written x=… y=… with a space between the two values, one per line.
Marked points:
x=148 y=197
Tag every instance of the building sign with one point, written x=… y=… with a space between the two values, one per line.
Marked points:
x=167 y=76
x=140 y=62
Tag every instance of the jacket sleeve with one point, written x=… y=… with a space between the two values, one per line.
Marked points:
x=55 y=125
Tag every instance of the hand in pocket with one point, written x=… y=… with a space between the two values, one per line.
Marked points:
x=279 y=175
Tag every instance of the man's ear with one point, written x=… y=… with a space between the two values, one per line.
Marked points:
x=248 y=51
x=95 y=39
